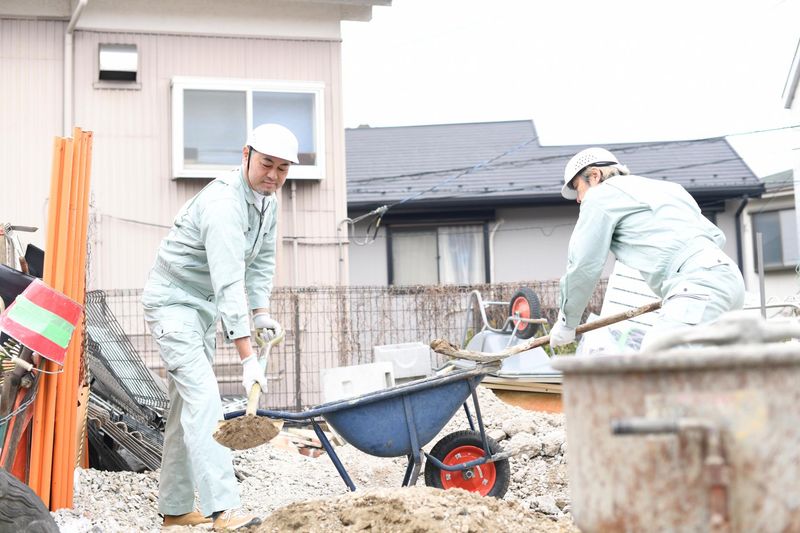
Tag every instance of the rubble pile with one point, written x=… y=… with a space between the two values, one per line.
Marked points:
x=275 y=477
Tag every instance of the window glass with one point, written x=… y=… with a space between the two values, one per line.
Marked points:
x=444 y=255
x=461 y=255
x=769 y=226
x=214 y=127
x=293 y=110
x=414 y=260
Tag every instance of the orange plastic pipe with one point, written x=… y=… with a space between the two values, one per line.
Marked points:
x=63 y=406
x=79 y=360
x=39 y=421
x=64 y=461
x=56 y=280
x=66 y=425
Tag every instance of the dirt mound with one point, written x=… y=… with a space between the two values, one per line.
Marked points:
x=411 y=510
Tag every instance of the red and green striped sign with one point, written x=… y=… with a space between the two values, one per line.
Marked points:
x=43 y=320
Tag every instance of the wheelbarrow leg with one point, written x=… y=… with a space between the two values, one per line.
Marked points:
x=332 y=454
x=469 y=417
x=414 y=459
x=412 y=471
x=481 y=429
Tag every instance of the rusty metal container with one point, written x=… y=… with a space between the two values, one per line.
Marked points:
x=687 y=440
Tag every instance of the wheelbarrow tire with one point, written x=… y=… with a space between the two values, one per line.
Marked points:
x=490 y=479
x=525 y=303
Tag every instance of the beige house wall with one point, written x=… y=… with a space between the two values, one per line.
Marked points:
x=31 y=70
x=133 y=196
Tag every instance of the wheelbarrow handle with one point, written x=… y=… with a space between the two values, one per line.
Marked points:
x=445 y=348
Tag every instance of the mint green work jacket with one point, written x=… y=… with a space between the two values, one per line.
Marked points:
x=221 y=249
x=651 y=225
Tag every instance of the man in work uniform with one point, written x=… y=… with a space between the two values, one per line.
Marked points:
x=216 y=262
x=653 y=226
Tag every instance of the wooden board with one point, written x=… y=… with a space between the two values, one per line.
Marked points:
x=529 y=395
x=531 y=401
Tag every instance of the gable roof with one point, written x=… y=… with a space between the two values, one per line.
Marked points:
x=424 y=163
x=779 y=182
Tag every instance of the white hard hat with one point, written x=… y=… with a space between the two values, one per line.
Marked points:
x=274 y=140
x=581 y=160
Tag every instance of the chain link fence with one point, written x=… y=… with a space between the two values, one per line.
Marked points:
x=339 y=326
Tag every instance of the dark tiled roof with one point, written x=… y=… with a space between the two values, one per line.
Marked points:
x=387 y=165
x=779 y=182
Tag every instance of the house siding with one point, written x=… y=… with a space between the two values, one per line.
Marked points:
x=31 y=71
x=529 y=244
x=133 y=197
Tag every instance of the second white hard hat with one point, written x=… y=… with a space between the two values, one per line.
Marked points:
x=581 y=160
x=274 y=140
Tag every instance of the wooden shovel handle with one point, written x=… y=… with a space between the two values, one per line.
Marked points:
x=445 y=348
x=252 y=399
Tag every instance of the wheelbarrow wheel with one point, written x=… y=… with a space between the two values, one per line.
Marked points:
x=525 y=304
x=488 y=479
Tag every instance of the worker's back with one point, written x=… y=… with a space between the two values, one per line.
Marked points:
x=657 y=224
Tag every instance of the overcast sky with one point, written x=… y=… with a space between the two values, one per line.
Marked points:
x=586 y=72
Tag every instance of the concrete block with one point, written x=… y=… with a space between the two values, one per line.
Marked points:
x=349 y=381
x=409 y=359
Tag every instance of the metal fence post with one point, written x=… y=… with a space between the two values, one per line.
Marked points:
x=298 y=397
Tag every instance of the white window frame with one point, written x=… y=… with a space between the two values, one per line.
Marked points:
x=299 y=172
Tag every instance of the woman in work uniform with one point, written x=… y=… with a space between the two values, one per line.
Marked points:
x=217 y=262
x=653 y=226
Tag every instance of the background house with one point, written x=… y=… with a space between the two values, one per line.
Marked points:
x=170 y=90
x=773 y=215
x=474 y=203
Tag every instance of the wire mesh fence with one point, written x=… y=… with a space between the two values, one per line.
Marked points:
x=329 y=327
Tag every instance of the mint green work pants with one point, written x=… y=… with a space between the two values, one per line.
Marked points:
x=184 y=327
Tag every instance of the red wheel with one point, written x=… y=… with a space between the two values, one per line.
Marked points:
x=478 y=479
x=525 y=304
x=488 y=479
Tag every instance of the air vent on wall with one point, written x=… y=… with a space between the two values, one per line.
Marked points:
x=118 y=62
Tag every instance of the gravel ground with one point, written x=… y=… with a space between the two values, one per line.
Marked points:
x=275 y=478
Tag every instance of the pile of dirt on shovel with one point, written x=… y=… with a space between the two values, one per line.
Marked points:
x=411 y=510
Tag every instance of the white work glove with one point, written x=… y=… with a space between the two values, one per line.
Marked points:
x=561 y=334
x=253 y=373
x=262 y=321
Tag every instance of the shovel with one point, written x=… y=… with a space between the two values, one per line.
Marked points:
x=450 y=350
x=251 y=430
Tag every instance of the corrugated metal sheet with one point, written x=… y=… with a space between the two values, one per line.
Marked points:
x=134 y=197
x=31 y=58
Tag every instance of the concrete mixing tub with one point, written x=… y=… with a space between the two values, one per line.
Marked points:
x=705 y=439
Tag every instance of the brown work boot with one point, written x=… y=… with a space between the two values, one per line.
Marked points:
x=188 y=519
x=231 y=519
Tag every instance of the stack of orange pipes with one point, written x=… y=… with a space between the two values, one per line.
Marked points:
x=53 y=450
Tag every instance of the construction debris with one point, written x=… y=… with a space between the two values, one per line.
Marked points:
x=273 y=478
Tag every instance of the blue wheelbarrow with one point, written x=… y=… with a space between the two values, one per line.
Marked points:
x=399 y=421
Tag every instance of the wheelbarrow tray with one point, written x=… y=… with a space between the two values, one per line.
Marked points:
x=397 y=421
x=384 y=423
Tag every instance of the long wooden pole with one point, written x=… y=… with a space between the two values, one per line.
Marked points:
x=445 y=348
